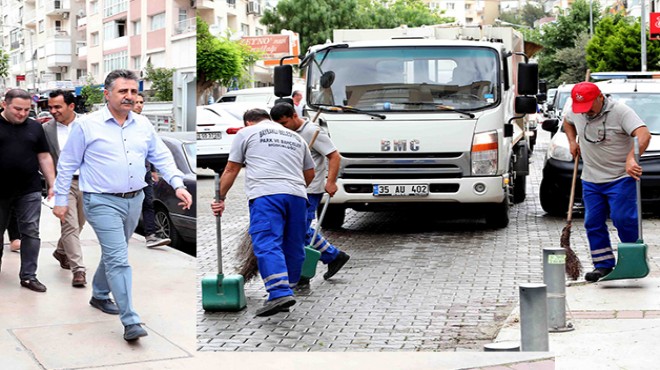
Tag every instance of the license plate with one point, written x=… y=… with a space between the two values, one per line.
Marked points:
x=415 y=190
x=209 y=135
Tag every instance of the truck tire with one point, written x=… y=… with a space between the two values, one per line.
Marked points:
x=334 y=217
x=552 y=201
x=497 y=216
x=519 y=185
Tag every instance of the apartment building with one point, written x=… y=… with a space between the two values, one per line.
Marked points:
x=467 y=12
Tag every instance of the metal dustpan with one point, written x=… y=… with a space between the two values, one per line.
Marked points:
x=632 y=261
x=312 y=256
x=220 y=292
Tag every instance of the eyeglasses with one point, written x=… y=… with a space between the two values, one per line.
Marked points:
x=601 y=133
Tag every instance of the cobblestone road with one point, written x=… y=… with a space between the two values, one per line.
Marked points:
x=415 y=282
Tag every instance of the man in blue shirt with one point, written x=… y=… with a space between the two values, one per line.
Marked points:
x=110 y=147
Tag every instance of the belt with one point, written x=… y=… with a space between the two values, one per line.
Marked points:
x=128 y=195
x=75 y=177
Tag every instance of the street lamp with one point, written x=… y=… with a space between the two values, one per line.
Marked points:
x=34 y=71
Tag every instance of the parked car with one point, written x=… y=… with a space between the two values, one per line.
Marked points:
x=171 y=220
x=643 y=96
x=554 y=108
x=258 y=96
x=216 y=128
x=44 y=117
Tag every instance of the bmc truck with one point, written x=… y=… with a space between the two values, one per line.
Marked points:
x=423 y=116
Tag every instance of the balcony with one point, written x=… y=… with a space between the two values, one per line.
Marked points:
x=81 y=22
x=185 y=26
x=57 y=34
x=116 y=43
x=57 y=7
x=204 y=4
x=30 y=18
x=82 y=52
x=58 y=52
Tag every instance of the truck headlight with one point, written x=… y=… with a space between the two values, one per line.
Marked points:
x=560 y=153
x=484 y=154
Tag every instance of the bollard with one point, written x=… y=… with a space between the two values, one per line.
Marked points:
x=533 y=318
x=554 y=277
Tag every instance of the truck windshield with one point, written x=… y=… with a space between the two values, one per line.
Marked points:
x=439 y=78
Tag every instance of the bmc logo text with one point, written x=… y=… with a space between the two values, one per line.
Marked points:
x=399 y=145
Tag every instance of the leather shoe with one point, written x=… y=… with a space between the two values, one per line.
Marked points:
x=62 y=259
x=105 y=305
x=133 y=332
x=597 y=274
x=275 y=306
x=336 y=265
x=79 y=279
x=33 y=284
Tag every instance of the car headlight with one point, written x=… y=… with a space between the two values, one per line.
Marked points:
x=484 y=154
x=560 y=153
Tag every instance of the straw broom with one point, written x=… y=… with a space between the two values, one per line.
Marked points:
x=573 y=265
x=247 y=260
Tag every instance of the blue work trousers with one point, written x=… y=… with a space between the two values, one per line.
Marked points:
x=277 y=228
x=328 y=251
x=114 y=219
x=619 y=200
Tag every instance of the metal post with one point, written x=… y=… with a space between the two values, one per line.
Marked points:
x=533 y=318
x=32 y=57
x=643 y=28
x=554 y=277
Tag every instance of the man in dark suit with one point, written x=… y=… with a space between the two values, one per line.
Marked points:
x=61 y=105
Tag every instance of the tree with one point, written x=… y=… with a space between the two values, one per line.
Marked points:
x=220 y=60
x=161 y=82
x=575 y=60
x=531 y=13
x=314 y=20
x=4 y=64
x=92 y=93
x=616 y=46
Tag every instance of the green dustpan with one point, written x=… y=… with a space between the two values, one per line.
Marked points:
x=632 y=261
x=312 y=256
x=220 y=292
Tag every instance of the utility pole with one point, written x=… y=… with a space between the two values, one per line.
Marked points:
x=643 y=27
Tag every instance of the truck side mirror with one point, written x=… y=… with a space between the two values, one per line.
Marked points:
x=541 y=97
x=551 y=125
x=525 y=104
x=283 y=78
x=528 y=78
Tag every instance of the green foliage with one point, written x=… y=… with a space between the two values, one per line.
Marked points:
x=4 y=64
x=530 y=13
x=314 y=20
x=616 y=46
x=563 y=34
x=161 y=82
x=575 y=61
x=220 y=60
x=91 y=92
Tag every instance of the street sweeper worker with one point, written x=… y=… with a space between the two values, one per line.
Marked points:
x=279 y=167
x=322 y=148
x=605 y=129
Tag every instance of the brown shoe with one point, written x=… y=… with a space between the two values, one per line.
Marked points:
x=64 y=261
x=79 y=279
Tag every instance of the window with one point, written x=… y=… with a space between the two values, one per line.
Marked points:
x=81 y=73
x=183 y=14
x=115 y=61
x=258 y=32
x=245 y=28
x=93 y=6
x=41 y=26
x=95 y=38
x=114 y=29
x=95 y=69
x=137 y=27
x=58 y=25
x=137 y=62
x=113 y=7
x=157 y=21
x=450 y=6
x=468 y=6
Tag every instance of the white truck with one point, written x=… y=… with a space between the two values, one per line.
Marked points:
x=422 y=117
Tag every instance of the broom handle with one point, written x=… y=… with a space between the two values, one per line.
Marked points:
x=639 y=195
x=318 y=223
x=216 y=179
x=572 y=197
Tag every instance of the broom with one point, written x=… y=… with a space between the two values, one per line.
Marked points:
x=245 y=255
x=573 y=265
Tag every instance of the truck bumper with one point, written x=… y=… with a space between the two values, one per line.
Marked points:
x=463 y=190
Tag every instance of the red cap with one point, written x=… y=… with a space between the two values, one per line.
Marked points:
x=583 y=95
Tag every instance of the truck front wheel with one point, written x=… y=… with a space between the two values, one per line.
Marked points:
x=497 y=215
x=334 y=217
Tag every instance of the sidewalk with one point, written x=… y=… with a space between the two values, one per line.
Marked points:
x=617 y=324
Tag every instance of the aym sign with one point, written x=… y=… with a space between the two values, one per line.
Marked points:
x=654 y=29
x=274 y=47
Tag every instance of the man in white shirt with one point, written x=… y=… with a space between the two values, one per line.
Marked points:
x=298 y=104
x=61 y=105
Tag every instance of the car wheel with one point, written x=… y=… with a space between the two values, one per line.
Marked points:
x=334 y=217
x=553 y=201
x=497 y=216
x=165 y=228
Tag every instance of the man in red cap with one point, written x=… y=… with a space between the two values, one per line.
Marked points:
x=605 y=129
